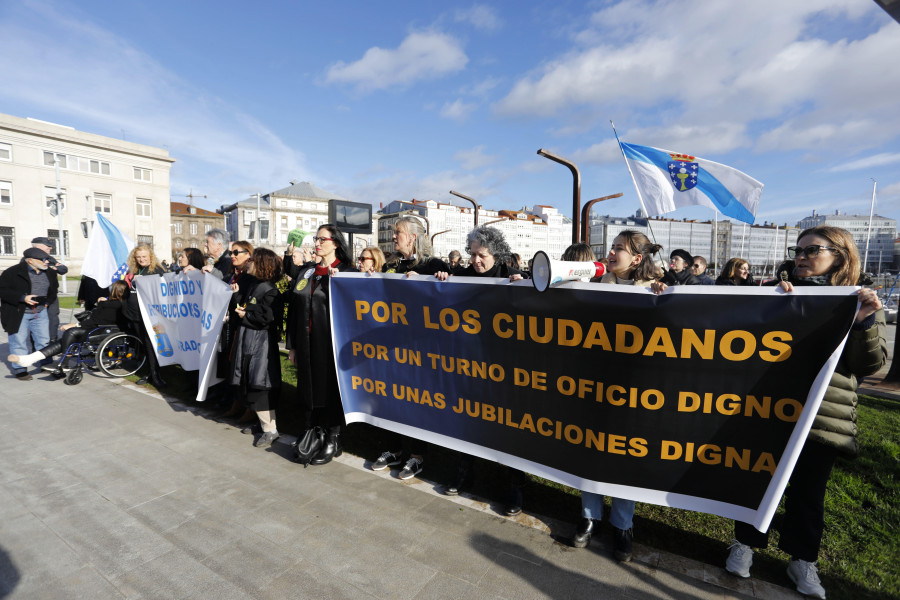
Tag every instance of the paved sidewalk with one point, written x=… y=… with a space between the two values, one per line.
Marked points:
x=108 y=490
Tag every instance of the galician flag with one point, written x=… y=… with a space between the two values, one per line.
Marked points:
x=107 y=252
x=668 y=180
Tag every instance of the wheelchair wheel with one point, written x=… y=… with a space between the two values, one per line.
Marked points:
x=74 y=376
x=120 y=355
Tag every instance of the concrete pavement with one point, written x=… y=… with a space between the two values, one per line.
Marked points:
x=108 y=490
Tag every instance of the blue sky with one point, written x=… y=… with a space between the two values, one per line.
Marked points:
x=381 y=101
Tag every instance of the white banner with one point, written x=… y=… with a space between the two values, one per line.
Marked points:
x=183 y=314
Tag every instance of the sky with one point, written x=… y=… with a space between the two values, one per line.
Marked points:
x=382 y=101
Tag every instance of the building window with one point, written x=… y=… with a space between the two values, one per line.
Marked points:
x=312 y=207
x=143 y=207
x=50 y=159
x=284 y=222
x=7 y=241
x=5 y=152
x=207 y=228
x=299 y=222
x=103 y=203
x=53 y=234
x=5 y=192
x=249 y=217
x=143 y=175
x=193 y=229
x=50 y=196
x=76 y=163
x=145 y=240
x=282 y=203
x=177 y=227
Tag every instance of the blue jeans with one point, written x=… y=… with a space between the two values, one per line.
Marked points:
x=34 y=325
x=620 y=515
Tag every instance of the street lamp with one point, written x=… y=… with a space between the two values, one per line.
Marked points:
x=472 y=200
x=576 y=188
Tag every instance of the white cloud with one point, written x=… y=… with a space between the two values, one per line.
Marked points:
x=479 y=16
x=877 y=160
x=422 y=55
x=737 y=63
x=105 y=85
x=474 y=158
x=457 y=110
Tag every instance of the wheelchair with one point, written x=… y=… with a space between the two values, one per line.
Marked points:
x=107 y=349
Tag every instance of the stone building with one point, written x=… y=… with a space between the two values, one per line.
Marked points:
x=190 y=226
x=127 y=182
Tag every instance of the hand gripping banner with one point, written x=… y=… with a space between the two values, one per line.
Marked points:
x=183 y=315
x=700 y=398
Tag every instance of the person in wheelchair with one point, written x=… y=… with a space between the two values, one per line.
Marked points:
x=108 y=312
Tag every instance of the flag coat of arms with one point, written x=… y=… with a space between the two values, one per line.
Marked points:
x=668 y=180
x=107 y=253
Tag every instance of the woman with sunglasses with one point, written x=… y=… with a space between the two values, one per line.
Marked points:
x=371 y=260
x=240 y=253
x=823 y=256
x=255 y=360
x=736 y=272
x=308 y=334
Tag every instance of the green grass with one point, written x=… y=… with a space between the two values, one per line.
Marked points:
x=860 y=556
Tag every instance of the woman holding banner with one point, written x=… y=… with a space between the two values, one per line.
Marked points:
x=142 y=261
x=412 y=255
x=630 y=263
x=255 y=360
x=308 y=334
x=824 y=256
x=489 y=256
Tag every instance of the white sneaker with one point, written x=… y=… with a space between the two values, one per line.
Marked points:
x=805 y=576
x=739 y=559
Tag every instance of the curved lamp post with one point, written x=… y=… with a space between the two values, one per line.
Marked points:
x=576 y=189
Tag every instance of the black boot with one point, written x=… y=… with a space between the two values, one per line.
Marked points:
x=583 y=533
x=331 y=449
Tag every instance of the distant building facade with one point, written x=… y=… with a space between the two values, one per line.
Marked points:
x=881 y=237
x=126 y=182
x=526 y=230
x=190 y=226
x=301 y=205
x=763 y=246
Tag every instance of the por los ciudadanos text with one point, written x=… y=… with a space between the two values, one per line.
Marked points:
x=680 y=399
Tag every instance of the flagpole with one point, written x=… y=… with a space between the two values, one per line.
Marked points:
x=869 y=230
x=634 y=181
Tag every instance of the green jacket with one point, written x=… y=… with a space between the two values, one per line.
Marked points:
x=864 y=353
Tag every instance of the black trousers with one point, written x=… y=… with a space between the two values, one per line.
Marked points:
x=804 y=506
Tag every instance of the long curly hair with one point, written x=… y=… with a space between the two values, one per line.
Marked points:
x=133 y=267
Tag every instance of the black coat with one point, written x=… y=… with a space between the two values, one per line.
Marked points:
x=684 y=277
x=429 y=266
x=502 y=270
x=308 y=334
x=224 y=266
x=15 y=284
x=108 y=312
x=256 y=364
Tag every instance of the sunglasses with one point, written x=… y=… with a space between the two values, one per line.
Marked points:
x=696 y=266
x=322 y=239
x=236 y=252
x=365 y=258
x=810 y=251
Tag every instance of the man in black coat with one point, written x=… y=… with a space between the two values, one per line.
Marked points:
x=698 y=270
x=26 y=289
x=219 y=255
x=43 y=243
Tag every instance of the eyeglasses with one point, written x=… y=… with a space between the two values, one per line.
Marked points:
x=321 y=239
x=236 y=252
x=810 y=251
x=365 y=258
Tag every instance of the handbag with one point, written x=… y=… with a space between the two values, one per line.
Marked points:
x=82 y=315
x=308 y=445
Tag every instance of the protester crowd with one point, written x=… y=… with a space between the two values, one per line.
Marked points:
x=289 y=294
